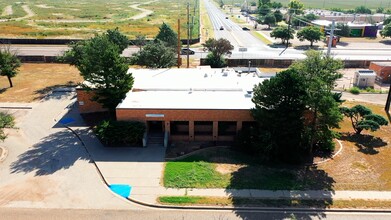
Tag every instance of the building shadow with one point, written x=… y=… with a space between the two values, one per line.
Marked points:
x=284 y=188
x=59 y=91
x=55 y=152
x=365 y=143
x=73 y=120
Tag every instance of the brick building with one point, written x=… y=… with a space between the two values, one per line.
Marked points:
x=200 y=104
x=383 y=71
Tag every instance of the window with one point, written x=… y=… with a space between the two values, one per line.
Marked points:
x=227 y=128
x=203 y=127
x=179 y=127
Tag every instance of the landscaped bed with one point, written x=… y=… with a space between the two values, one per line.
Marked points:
x=363 y=164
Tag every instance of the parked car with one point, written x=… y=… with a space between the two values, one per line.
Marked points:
x=185 y=51
x=245 y=28
x=221 y=28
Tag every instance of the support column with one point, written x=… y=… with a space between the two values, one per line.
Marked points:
x=167 y=127
x=191 y=130
x=215 y=130
x=239 y=125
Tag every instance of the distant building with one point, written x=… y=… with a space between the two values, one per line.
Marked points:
x=364 y=78
x=383 y=71
x=362 y=30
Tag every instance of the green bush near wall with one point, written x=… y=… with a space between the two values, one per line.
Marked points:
x=120 y=132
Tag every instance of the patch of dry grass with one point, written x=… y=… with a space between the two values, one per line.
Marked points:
x=292 y=203
x=34 y=81
x=365 y=159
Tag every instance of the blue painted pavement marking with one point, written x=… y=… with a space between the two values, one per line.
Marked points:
x=121 y=189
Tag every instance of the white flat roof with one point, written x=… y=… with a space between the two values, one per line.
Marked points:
x=200 y=88
x=186 y=100
x=321 y=22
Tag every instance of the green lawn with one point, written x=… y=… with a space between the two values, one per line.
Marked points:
x=199 y=171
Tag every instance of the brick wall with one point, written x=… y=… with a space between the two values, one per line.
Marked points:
x=85 y=103
x=190 y=115
x=383 y=71
x=185 y=115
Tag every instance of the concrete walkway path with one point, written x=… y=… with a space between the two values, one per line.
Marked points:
x=141 y=168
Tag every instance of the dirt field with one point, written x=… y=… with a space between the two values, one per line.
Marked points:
x=34 y=81
x=364 y=161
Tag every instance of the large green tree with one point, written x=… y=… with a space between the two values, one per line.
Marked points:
x=282 y=32
x=140 y=41
x=167 y=35
x=278 y=15
x=362 y=10
x=295 y=7
x=362 y=118
x=320 y=73
x=269 y=20
x=342 y=30
x=279 y=111
x=118 y=38
x=217 y=49
x=310 y=33
x=9 y=64
x=263 y=10
x=154 y=55
x=386 y=32
x=100 y=64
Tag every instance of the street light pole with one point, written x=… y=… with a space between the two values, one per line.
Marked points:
x=331 y=38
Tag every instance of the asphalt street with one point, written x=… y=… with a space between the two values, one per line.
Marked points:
x=59 y=214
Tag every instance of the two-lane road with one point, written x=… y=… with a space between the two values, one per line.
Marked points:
x=231 y=31
x=257 y=49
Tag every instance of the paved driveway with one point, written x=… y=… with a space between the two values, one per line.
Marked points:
x=141 y=168
x=47 y=167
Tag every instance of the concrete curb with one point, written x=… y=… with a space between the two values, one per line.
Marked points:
x=16 y=107
x=233 y=208
x=4 y=153
x=338 y=152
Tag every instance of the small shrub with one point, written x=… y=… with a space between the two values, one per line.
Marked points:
x=6 y=121
x=370 y=89
x=120 y=132
x=354 y=90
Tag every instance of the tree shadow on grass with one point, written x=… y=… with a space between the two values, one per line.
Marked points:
x=282 y=186
x=55 y=152
x=2 y=90
x=308 y=47
x=365 y=143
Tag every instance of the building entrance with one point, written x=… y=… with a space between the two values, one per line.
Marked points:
x=155 y=126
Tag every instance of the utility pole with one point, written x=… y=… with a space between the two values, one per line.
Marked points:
x=289 y=27
x=188 y=34
x=179 y=44
x=331 y=36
